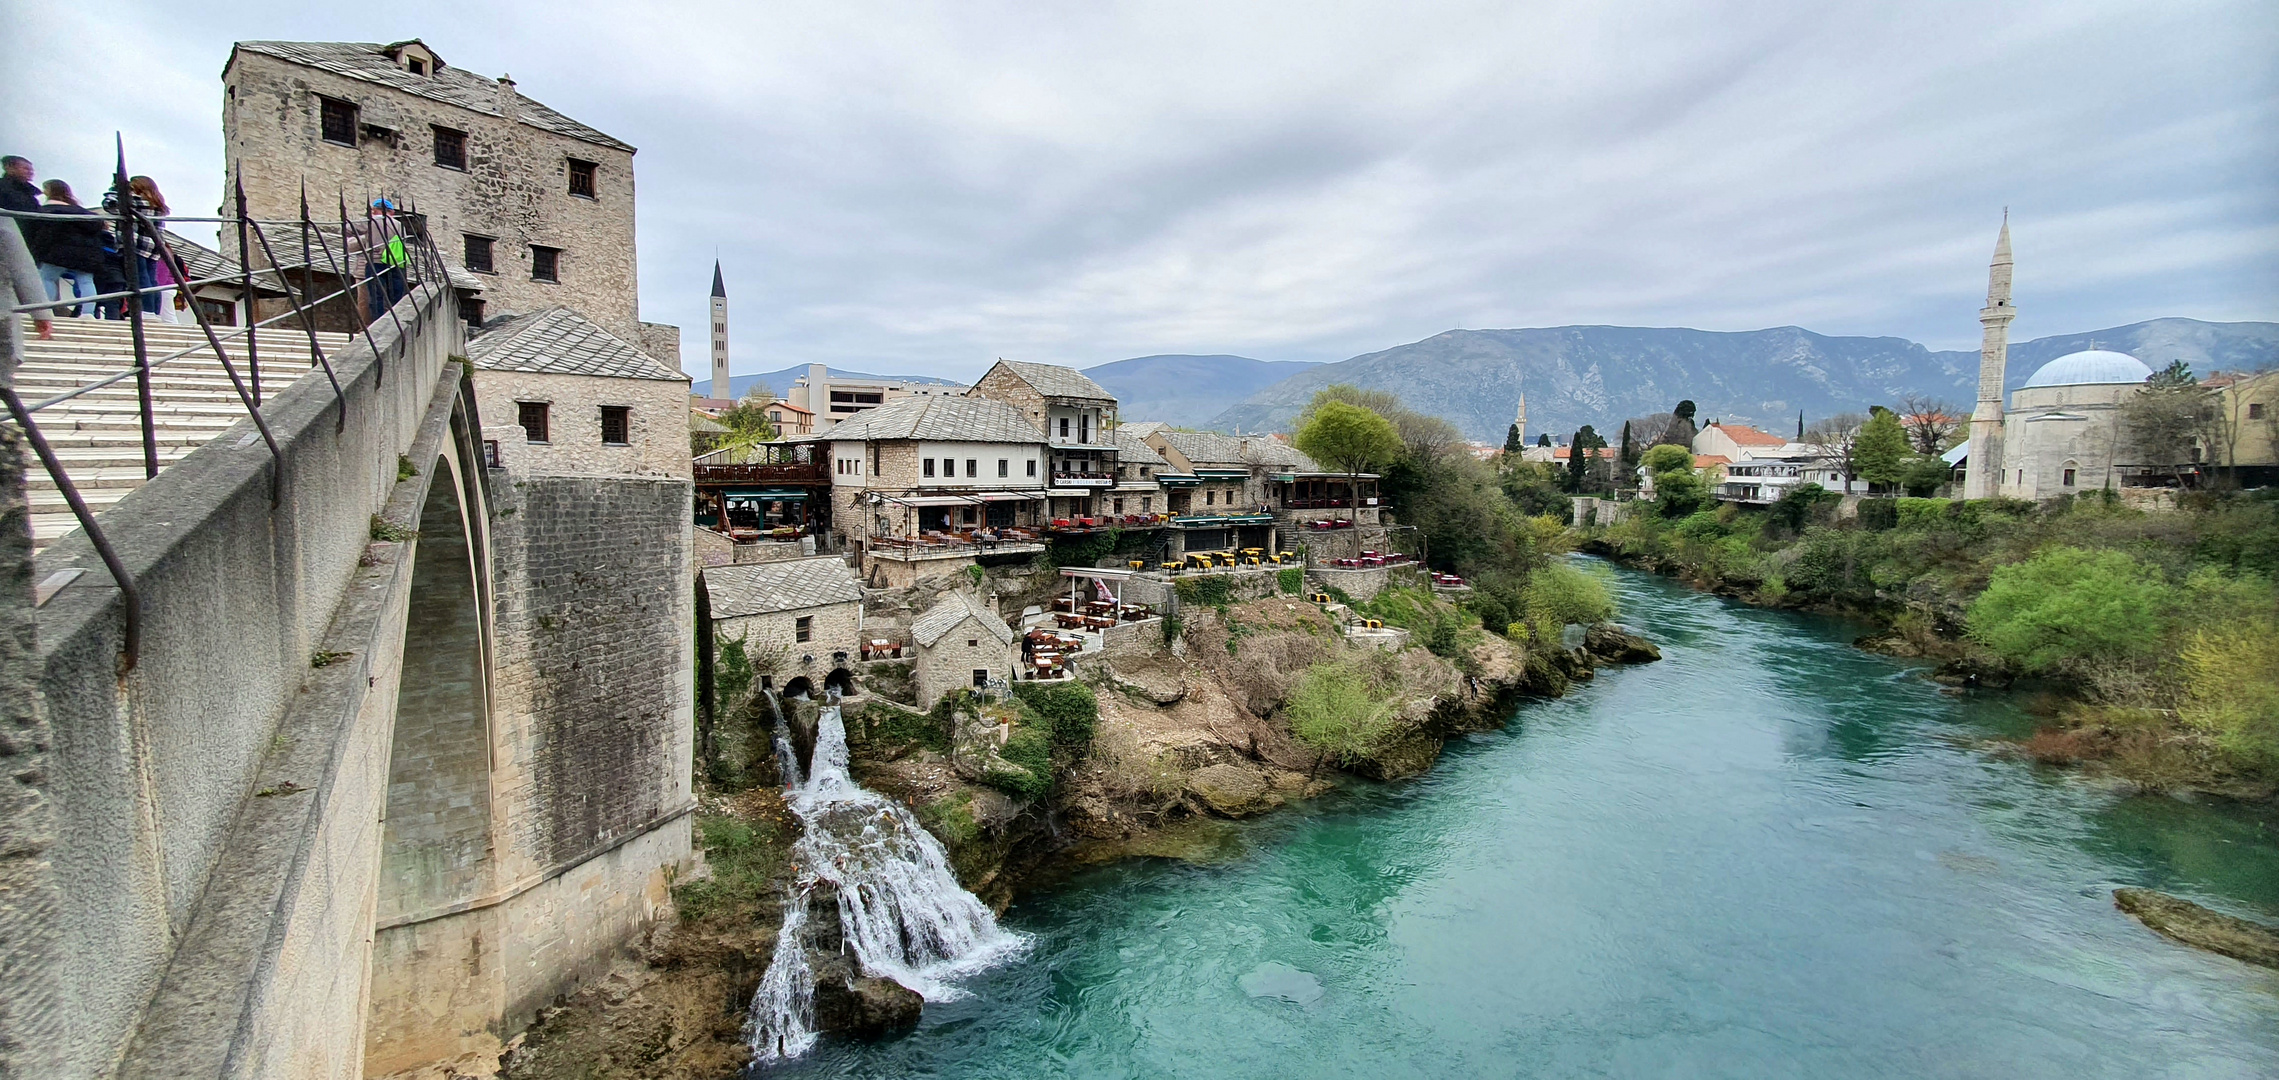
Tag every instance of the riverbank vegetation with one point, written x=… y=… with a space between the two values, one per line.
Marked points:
x=2160 y=628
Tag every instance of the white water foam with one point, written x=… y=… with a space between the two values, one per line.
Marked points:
x=903 y=912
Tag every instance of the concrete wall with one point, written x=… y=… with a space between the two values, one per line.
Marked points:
x=151 y=770
x=33 y=1025
x=657 y=439
x=1362 y=584
x=515 y=187
x=1583 y=509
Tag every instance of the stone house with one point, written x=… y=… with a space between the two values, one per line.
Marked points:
x=533 y=206
x=2248 y=414
x=807 y=612
x=560 y=394
x=1137 y=488
x=1078 y=418
x=1740 y=442
x=961 y=644
x=926 y=484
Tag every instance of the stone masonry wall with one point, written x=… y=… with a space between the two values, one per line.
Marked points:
x=515 y=188
x=596 y=661
x=949 y=663
x=657 y=439
x=835 y=628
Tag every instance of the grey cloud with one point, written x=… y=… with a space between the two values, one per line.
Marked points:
x=925 y=189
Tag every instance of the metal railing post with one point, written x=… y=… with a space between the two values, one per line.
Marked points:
x=308 y=323
x=379 y=363
x=245 y=272
x=252 y=408
x=129 y=599
x=131 y=265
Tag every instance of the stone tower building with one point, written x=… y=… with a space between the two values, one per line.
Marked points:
x=1984 y=479
x=720 y=387
x=1520 y=421
x=533 y=208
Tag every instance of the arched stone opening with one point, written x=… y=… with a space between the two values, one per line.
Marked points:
x=799 y=686
x=437 y=985
x=841 y=680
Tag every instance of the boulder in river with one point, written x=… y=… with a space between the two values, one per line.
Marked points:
x=847 y=1002
x=1612 y=644
x=2185 y=921
x=1232 y=790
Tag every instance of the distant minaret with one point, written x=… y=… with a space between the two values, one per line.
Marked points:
x=720 y=388
x=1984 y=480
x=1522 y=419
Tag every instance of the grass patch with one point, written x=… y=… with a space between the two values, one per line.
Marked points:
x=388 y=532
x=323 y=658
x=745 y=856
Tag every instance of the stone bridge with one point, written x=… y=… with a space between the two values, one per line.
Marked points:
x=403 y=757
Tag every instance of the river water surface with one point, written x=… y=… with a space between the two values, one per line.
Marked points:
x=1769 y=855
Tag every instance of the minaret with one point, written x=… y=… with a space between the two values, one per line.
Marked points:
x=720 y=387
x=1522 y=419
x=1984 y=480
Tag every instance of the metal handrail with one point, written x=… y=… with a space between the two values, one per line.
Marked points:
x=134 y=221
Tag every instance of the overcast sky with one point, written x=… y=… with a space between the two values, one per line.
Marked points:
x=923 y=188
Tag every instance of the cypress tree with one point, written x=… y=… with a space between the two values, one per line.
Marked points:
x=1514 y=440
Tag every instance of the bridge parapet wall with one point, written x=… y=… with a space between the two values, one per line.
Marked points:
x=152 y=771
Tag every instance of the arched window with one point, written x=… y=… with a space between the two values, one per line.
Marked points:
x=2069 y=474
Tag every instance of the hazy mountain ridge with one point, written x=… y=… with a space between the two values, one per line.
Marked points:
x=1576 y=375
x=1188 y=390
x=780 y=381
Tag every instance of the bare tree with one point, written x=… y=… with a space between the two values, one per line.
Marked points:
x=1835 y=441
x=2167 y=419
x=1931 y=424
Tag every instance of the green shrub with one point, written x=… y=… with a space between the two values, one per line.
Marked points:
x=1338 y=710
x=950 y=819
x=1030 y=751
x=745 y=856
x=1921 y=513
x=1700 y=525
x=1803 y=505
x=2070 y=606
x=1209 y=590
x=1292 y=580
x=1559 y=595
x=1068 y=710
x=2232 y=689
x=884 y=725
x=1879 y=515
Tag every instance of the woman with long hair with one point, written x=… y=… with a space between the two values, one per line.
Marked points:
x=68 y=250
x=151 y=276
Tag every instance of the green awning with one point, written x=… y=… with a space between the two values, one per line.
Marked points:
x=765 y=494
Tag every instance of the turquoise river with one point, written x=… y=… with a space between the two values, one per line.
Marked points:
x=1769 y=855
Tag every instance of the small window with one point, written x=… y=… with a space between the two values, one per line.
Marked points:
x=965 y=516
x=1210 y=498
x=2069 y=477
x=2255 y=410
x=973 y=643
x=545 y=263
x=981 y=678
x=472 y=311
x=1119 y=506
x=616 y=425
x=1004 y=467
x=1063 y=427
x=972 y=468
x=479 y=251
x=929 y=464
x=532 y=416
x=803 y=629
x=450 y=147
x=339 y=121
x=415 y=65
x=491 y=453
x=1143 y=472
x=1032 y=466
x=1147 y=504
x=582 y=179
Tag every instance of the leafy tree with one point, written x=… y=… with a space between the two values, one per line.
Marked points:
x=1684 y=411
x=747 y=421
x=1666 y=458
x=1882 y=450
x=1579 y=456
x=2164 y=420
x=1350 y=439
x=1514 y=440
x=2232 y=689
x=1800 y=505
x=1543 y=440
x=1680 y=493
x=1925 y=475
x=1559 y=595
x=1338 y=710
x=2067 y=607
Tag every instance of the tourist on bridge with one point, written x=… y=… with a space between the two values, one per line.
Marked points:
x=376 y=251
x=148 y=271
x=17 y=192
x=68 y=250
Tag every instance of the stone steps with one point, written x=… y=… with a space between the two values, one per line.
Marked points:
x=97 y=436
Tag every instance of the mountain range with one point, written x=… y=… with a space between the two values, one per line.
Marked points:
x=1600 y=375
x=780 y=381
x=1187 y=391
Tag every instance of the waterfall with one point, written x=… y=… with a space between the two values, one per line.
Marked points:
x=787 y=762
x=901 y=909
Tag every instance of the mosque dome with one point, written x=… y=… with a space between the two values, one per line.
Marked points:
x=2090 y=367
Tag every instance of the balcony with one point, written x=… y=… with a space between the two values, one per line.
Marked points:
x=1083 y=479
x=790 y=472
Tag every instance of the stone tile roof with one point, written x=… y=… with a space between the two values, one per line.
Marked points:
x=367 y=61
x=559 y=341
x=1143 y=428
x=956 y=608
x=792 y=585
x=1134 y=448
x=936 y=417
x=1053 y=380
x=1212 y=450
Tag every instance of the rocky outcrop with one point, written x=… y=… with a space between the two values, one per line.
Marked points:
x=1232 y=790
x=2185 y=921
x=1611 y=644
x=847 y=1002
